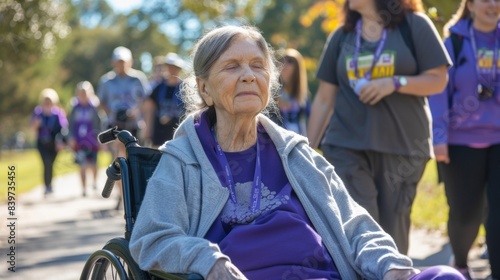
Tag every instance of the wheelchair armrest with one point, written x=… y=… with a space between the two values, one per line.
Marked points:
x=174 y=276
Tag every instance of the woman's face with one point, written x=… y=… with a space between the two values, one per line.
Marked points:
x=173 y=70
x=83 y=97
x=238 y=81
x=288 y=66
x=361 y=5
x=486 y=12
x=47 y=105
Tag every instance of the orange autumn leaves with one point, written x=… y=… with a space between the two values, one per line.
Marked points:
x=330 y=11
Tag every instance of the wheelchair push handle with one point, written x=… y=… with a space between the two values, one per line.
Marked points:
x=113 y=133
x=114 y=174
x=108 y=187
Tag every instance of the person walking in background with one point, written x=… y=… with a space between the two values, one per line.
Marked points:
x=121 y=92
x=49 y=123
x=293 y=97
x=85 y=123
x=163 y=108
x=375 y=74
x=158 y=73
x=466 y=130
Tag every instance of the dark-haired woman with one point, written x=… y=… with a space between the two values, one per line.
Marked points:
x=375 y=74
x=466 y=129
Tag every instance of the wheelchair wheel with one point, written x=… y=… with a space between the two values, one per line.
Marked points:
x=119 y=247
x=103 y=264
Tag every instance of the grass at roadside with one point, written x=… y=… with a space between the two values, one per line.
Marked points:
x=430 y=209
x=29 y=170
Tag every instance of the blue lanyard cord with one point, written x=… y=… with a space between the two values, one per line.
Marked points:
x=256 y=189
x=378 y=52
x=477 y=57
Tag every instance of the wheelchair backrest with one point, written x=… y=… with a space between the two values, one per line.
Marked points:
x=142 y=162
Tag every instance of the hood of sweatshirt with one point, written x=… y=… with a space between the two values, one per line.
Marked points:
x=461 y=28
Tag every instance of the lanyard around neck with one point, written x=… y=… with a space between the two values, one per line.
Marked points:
x=378 y=52
x=477 y=57
x=228 y=175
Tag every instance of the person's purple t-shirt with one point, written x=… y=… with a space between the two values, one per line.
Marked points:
x=276 y=242
x=50 y=124
x=83 y=127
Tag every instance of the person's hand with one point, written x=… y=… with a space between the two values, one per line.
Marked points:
x=373 y=91
x=441 y=152
x=133 y=114
x=400 y=274
x=225 y=270
x=37 y=121
x=72 y=144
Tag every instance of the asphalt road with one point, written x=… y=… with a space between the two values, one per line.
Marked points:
x=54 y=236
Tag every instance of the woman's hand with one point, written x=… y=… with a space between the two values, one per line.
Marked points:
x=72 y=144
x=37 y=122
x=441 y=152
x=400 y=274
x=373 y=91
x=225 y=270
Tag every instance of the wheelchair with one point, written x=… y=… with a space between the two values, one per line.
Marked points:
x=114 y=261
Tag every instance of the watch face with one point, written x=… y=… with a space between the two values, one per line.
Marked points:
x=403 y=81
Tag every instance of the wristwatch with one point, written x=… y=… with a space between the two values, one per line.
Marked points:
x=399 y=81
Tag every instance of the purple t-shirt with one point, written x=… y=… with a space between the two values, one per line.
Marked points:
x=277 y=241
x=83 y=128
x=51 y=124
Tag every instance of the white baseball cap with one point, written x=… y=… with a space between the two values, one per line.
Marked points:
x=122 y=53
x=174 y=59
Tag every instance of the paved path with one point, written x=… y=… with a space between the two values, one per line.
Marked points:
x=55 y=235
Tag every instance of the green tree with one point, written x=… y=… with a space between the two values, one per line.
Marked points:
x=287 y=24
x=29 y=30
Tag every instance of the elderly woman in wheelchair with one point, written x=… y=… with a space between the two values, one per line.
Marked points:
x=235 y=196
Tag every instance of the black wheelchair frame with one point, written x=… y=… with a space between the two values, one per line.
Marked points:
x=114 y=261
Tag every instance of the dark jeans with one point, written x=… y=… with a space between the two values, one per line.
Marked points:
x=48 y=154
x=470 y=173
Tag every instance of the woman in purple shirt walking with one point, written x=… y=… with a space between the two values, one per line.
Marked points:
x=84 y=124
x=466 y=128
x=48 y=121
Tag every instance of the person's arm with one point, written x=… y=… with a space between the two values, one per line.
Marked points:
x=149 y=109
x=432 y=61
x=364 y=245
x=102 y=94
x=430 y=82
x=160 y=239
x=36 y=120
x=71 y=125
x=440 y=109
x=321 y=111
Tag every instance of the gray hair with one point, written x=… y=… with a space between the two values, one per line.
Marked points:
x=209 y=48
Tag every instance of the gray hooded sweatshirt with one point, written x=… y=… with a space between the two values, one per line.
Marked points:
x=184 y=197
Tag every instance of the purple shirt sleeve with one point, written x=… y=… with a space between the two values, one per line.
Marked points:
x=439 y=104
x=63 y=121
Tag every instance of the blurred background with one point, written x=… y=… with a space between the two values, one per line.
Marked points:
x=57 y=43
